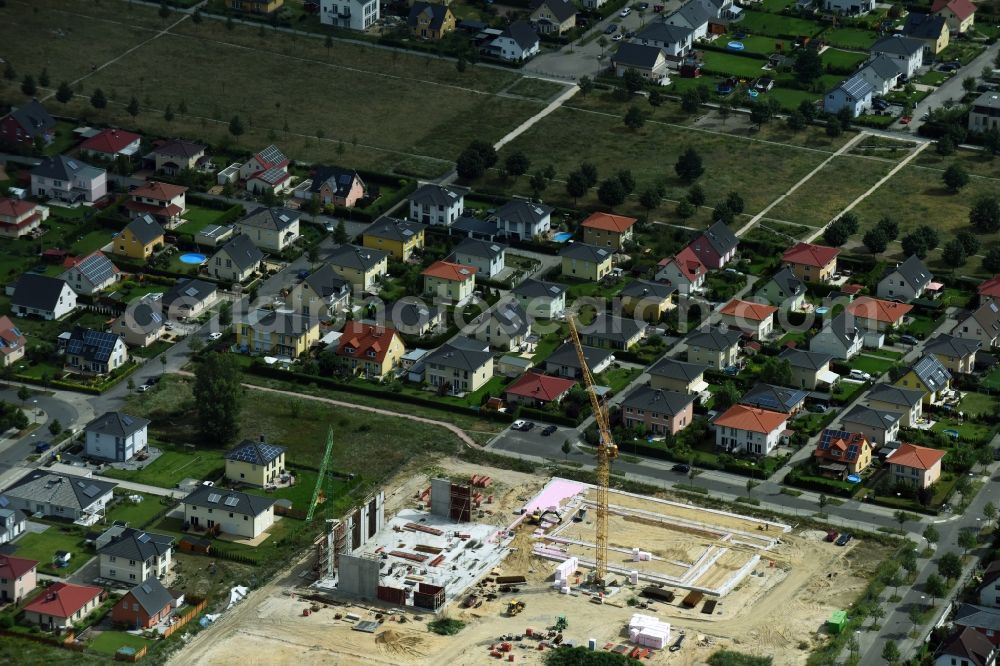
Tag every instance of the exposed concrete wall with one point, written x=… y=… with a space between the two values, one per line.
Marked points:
x=441 y=497
x=358 y=576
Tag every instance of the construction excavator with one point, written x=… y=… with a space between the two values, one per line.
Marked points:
x=538 y=516
x=514 y=607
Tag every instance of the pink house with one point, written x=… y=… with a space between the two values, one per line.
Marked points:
x=338 y=187
x=659 y=412
x=17 y=577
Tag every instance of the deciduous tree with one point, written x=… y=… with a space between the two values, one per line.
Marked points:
x=218 y=398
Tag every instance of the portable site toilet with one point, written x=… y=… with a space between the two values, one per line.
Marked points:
x=837 y=622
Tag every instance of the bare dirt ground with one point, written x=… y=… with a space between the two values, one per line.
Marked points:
x=779 y=612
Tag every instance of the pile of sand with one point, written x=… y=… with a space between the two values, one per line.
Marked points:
x=395 y=642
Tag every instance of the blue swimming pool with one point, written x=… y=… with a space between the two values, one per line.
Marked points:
x=195 y=258
x=562 y=236
x=736 y=46
x=822 y=310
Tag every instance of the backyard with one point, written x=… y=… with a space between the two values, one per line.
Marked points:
x=42 y=546
x=135 y=514
x=173 y=466
x=109 y=642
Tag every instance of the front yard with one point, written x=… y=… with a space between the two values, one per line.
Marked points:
x=870 y=364
x=173 y=466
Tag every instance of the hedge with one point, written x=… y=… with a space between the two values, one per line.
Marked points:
x=818 y=484
x=542 y=415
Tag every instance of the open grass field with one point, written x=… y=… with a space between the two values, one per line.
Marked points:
x=850 y=38
x=776 y=25
x=536 y=89
x=733 y=65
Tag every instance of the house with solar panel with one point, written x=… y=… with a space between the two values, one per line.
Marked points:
x=400 y=238
x=839 y=453
x=142 y=323
x=929 y=376
x=255 y=463
x=271 y=229
x=93 y=352
x=68 y=179
x=853 y=94
x=775 y=398
x=78 y=499
x=335 y=187
x=130 y=556
x=144 y=606
x=164 y=202
x=230 y=511
x=541 y=300
x=91 y=274
x=236 y=261
x=266 y=171
x=115 y=436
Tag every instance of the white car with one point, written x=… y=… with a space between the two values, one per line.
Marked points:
x=215 y=336
x=517 y=425
x=617 y=38
x=625 y=12
x=860 y=374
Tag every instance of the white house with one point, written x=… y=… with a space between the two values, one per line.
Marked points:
x=37 y=295
x=749 y=430
x=882 y=73
x=75 y=498
x=350 y=14
x=517 y=42
x=673 y=40
x=91 y=274
x=115 y=436
x=907 y=52
x=132 y=556
x=694 y=15
x=840 y=338
x=68 y=179
x=544 y=300
x=854 y=94
x=436 y=205
x=849 y=7
x=487 y=257
x=228 y=511
x=684 y=270
x=523 y=219
x=906 y=281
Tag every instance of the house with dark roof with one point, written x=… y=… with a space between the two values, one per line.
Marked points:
x=62 y=605
x=115 y=436
x=552 y=17
x=809 y=368
x=810 y=262
x=775 y=398
x=541 y=300
x=673 y=40
x=68 y=179
x=673 y=375
x=489 y=258
x=613 y=332
x=565 y=361
x=523 y=220
x=90 y=274
x=906 y=281
x=91 y=352
x=683 y=270
x=429 y=20
x=12 y=342
x=174 y=156
x=409 y=315
x=983 y=619
x=715 y=348
x=585 y=262
x=229 y=511
x=882 y=72
x=362 y=266
x=657 y=412
x=111 y=143
x=967 y=647
x=849 y=7
x=459 y=368
x=271 y=229
x=878 y=425
x=931 y=29
x=853 y=93
x=142 y=323
x=337 y=187
x=139 y=239
x=716 y=246
x=436 y=205
x=649 y=61
x=164 y=202
x=475 y=227
x=784 y=290
x=255 y=462
x=76 y=498
x=372 y=351
x=505 y=326
x=144 y=606
x=959 y=14
x=958 y=355
x=889 y=397
x=913 y=465
x=37 y=295
x=907 y=52
x=26 y=124
x=18 y=577
x=989 y=587
x=984 y=113
x=266 y=171
x=537 y=390
x=929 y=376
x=400 y=238
x=237 y=261
x=647 y=300
x=840 y=337
x=321 y=291
x=982 y=324
x=693 y=14
x=518 y=42
x=839 y=453
x=188 y=298
x=130 y=555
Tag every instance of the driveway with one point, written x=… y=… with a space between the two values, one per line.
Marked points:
x=952 y=88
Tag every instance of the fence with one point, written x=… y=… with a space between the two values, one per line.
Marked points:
x=184 y=619
x=291 y=512
x=133 y=657
x=68 y=642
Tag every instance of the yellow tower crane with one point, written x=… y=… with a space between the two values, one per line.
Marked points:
x=606 y=451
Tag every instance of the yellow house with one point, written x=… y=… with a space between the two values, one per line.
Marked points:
x=255 y=463
x=369 y=350
x=843 y=453
x=429 y=20
x=256 y=6
x=585 y=262
x=139 y=239
x=608 y=230
x=397 y=237
x=451 y=281
x=362 y=266
x=273 y=333
x=648 y=301
x=927 y=375
x=931 y=29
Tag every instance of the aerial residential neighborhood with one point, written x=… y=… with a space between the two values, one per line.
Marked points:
x=554 y=331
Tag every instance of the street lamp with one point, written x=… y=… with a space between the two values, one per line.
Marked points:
x=34 y=412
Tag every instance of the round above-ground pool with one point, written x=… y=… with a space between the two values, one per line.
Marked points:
x=195 y=258
x=822 y=310
x=753 y=93
x=736 y=46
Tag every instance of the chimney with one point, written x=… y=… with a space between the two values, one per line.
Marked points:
x=263 y=439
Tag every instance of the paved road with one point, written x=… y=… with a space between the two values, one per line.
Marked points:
x=952 y=88
x=72 y=410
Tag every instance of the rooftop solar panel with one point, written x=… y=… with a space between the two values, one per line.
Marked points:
x=214 y=498
x=142 y=538
x=92 y=491
x=232 y=500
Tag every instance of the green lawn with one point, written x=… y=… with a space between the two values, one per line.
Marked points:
x=198 y=218
x=966 y=430
x=992 y=379
x=733 y=65
x=136 y=515
x=850 y=38
x=773 y=25
x=617 y=378
x=921 y=326
x=792 y=98
x=978 y=403
x=874 y=366
x=760 y=45
x=175 y=465
x=108 y=642
x=842 y=59
x=91 y=242
x=934 y=77
x=43 y=546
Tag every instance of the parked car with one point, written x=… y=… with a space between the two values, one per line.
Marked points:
x=905 y=120
x=860 y=375
x=143 y=388
x=832 y=535
x=844 y=539
x=642 y=6
x=155 y=379
x=618 y=37
x=625 y=12
x=548 y=430
x=529 y=425
x=611 y=29
x=681 y=467
x=518 y=425
x=880 y=104
x=215 y=336
x=908 y=340
x=818 y=408
x=42 y=447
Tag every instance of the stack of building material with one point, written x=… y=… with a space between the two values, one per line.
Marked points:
x=641 y=555
x=563 y=573
x=648 y=631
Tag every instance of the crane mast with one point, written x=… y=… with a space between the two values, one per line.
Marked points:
x=606 y=451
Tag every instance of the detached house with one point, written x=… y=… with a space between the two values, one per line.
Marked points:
x=931 y=29
x=989 y=291
x=879 y=426
x=983 y=325
x=276 y=333
x=450 y=281
x=968 y=647
x=775 y=398
x=656 y=411
x=742 y=429
x=67 y=179
x=989 y=588
x=94 y=352
x=716 y=246
x=266 y=171
x=882 y=74
x=517 y=42
x=228 y=511
x=255 y=462
x=430 y=20
x=20 y=218
x=684 y=270
x=370 y=351
x=37 y=295
x=488 y=258
x=811 y=263
x=585 y=262
x=809 y=368
x=110 y=144
x=928 y=376
x=12 y=525
x=523 y=220
x=783 y=290
x=115 y=436
x=236 y=261
x=271 y=229
x=12 y=342
x=853 y=93
x=649 y=301
x=141 y=325
x=565 y=361
x=537 y=390
x=648 y=61
x=840 y=453
x=62 y=605
x=984 y=114
x=958 y=355
x=131 y=555
x=887 y=397
x=849 y=7
x=189 y=298
x=322 y=290
x=694 y=15
x=91 y=274
x=673 y=41
x=607 y=229
x=552 y=17
x=140 y=238
x=877 y=315
x=412 y=316
x=906 y=282
x=173 y=157
x=985 y=621
x=673 y=375
x=436 y=205
x=337 y=187
x=613 y=332
x=362 y=266
x=18 y=577
x=906 y=52
x=505 y=326
x=714 y=348
x=841 y=338
x=541 y=300
x=754 y=319
x=400 y=238
x=164 y=202
x=350 y=14
x=144 y=606
x=265 y=7
x=460 y=368
x=960 y=15
x=916 y=466
x=26 y=124
x=75 y=498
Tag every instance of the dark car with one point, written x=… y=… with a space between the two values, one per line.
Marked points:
x=529 y=425
x=42 y=447
x=548 y=430
x=880 y=105
x=677 y=644
x=630 y=34
x=818 y=408
x=681 y=467
x=642 y=6
x=611 y=29
x=844 y=539
x=908 y=340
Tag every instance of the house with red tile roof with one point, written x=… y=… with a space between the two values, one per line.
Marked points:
x=62 y=604
x=989 y=291
x=749 y=430
x=111 y=143
x=608 y=230
x=876 y=315
x=811 y=263
x=450 y=281
x=537 y=390
x=755 y=319
x=369 y=350
x=684 y=270
x=12 y=342
x=18 y=577
x=19 y=218
x=840 y=453
x=913 y=465
x=968 y=647
x=164 y=202
x=267 y=171
x=960 y=15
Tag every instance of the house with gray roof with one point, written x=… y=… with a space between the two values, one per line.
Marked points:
x=649 y=61
x=887 y=397
x=849 y=7
x=983 y=619
x=189 y=298
x=129 y=555
x=783 y=290
x=878 y=425
x=882 y=72
x=931 y=29
x=840 y=337
x=91 y=352
x=68 y=179
x=906 y=281
x=853 y=93
x=809 y=368
x=488 y=257
x=505 y=326
x=229 y=511
x=613 y=332
x=523 y=220
x=26 y=123
x=673 y=40
x=115 y=436
x=552 y=17
x=474 y=227
x=79 y=499
x=143 y=607
x=411 y=316
x=271 y=229
x=437 y=205
x=255 y=462
x=908 y=53
x=362 y=266
x=958 y=355
x=37 y=295
x=775 y=398
x=984 y=114
x=693 y=14
x=657 y=412
x=321 y=291
x=12 y=522
x=716 y=246
x=674 y=375
x=460 y=368
x=91 y=274
x=714 y=347
x=929 y=376
x=540 y=299
x=585 y=262
x=982 y=324
x=516 y=43
x=236 y=261
x=565 y=361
